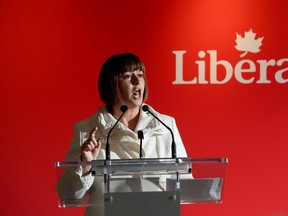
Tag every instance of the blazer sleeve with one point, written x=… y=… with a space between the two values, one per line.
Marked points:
x=71 y=185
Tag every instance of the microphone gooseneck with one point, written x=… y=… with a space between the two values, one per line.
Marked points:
x=145 y=108
x=123 y=108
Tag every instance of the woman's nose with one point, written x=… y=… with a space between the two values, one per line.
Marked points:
x=134 y=80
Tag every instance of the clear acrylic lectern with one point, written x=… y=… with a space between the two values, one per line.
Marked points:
x=150 y=186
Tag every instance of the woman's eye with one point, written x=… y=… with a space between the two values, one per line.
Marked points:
x=126 y=76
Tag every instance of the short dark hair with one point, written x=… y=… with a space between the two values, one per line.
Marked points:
x=109 y=74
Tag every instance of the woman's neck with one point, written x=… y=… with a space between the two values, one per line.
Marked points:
x=130 y=118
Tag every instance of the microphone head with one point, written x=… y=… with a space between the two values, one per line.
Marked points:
x=140 y=134
x=123 y=108
x=145 y=108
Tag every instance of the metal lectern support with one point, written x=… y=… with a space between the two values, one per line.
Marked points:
x=166 y=203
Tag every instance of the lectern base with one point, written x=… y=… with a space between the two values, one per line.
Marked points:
x=165 y=203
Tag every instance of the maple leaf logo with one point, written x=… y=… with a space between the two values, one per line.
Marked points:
x=248 y=43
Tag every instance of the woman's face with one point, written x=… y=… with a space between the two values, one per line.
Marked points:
x=131 y=88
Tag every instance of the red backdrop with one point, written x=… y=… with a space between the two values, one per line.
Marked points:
x=50 y=55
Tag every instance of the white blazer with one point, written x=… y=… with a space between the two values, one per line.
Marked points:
x=124 y=144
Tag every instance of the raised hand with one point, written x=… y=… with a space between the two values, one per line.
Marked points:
x=90 y=149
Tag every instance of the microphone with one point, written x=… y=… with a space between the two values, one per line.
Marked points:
x=123 y=108
x=145 y=108
x=141 y=137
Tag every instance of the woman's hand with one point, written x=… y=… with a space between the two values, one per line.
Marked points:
x=90 y=150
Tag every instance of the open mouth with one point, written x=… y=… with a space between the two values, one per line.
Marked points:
x=136 y=93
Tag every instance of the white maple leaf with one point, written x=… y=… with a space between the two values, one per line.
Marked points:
x=248 y=43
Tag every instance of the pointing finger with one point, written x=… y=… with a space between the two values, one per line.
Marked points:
x=93 y=133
